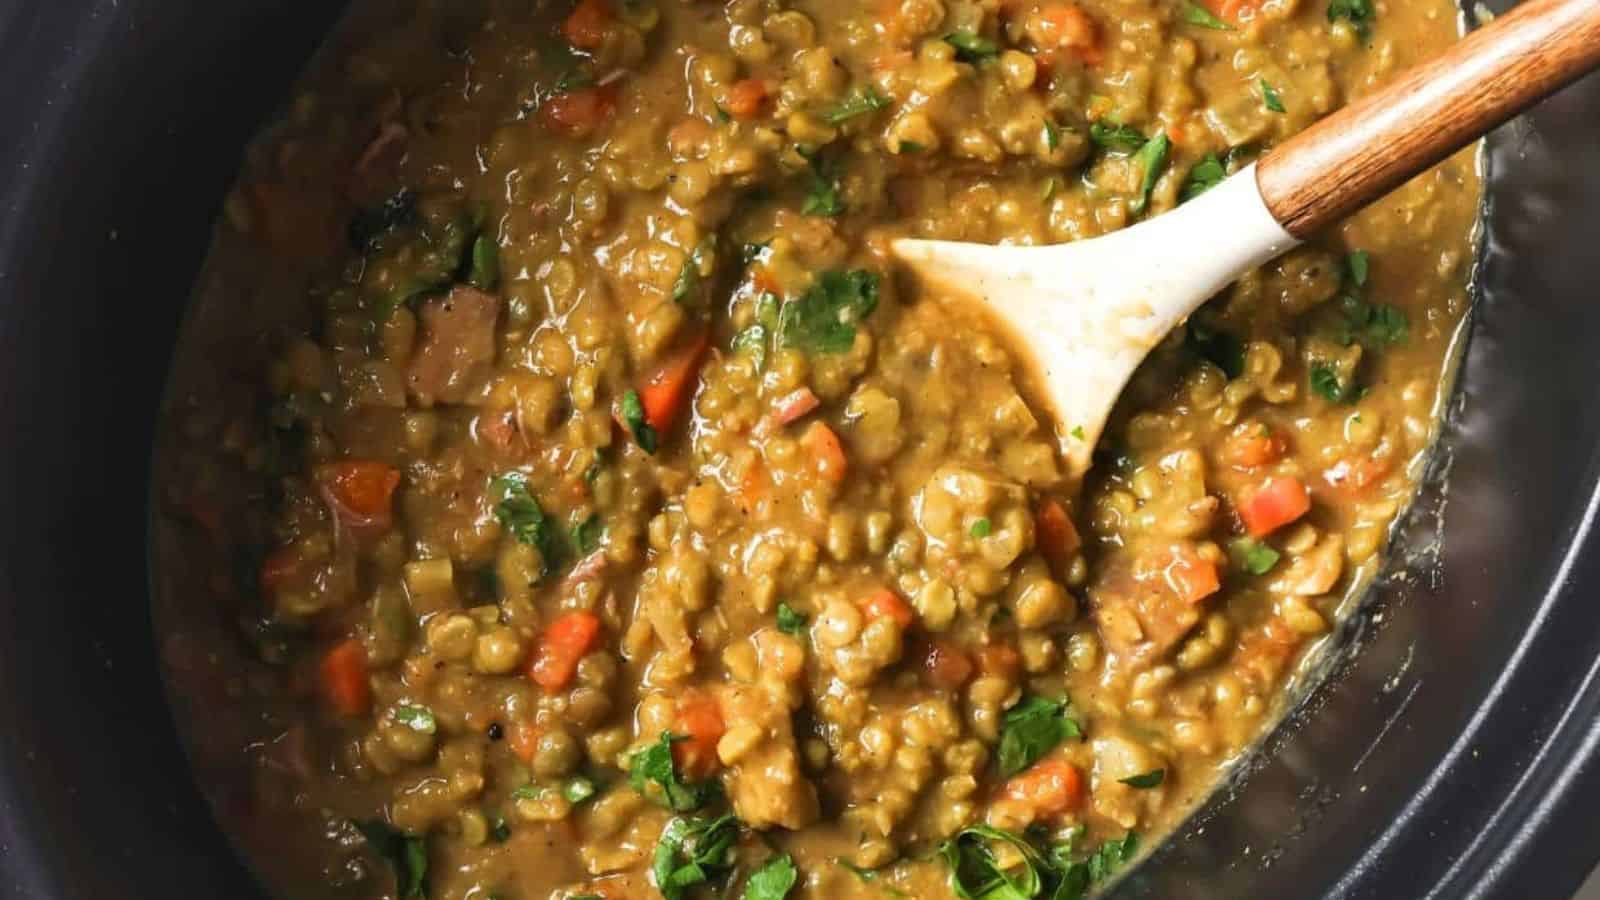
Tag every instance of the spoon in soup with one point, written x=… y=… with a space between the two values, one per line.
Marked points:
x=1088 y=312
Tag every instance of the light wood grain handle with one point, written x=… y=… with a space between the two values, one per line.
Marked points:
x=1370 y=147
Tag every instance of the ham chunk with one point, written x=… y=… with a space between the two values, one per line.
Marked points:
x=1140 y=618
x=457 y=350
x=763 y=781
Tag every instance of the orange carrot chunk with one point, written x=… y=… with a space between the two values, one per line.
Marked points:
x=578 y=113
x=747 y=98
x=1065 y=26
x=666 y=392
x=1191 y=576
x=1057 y=536
x=1252 y=444
x=794 y=405
x=524 y=740
x=700 y=725
x=360 y=493
x=1051 y=787
x=567 y=640
x=1276 y=503
x=827 y=457
x=886 y=604
x=344 y=678
x=586 y=27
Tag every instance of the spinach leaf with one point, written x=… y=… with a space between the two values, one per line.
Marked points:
x=687 y=286
x=406 y=855
x=633 y=416
x=1254 y=557
x=1044 y=873
x=1269 y=96
x=1359 y=13
x=773 y=880
x=1031 y=729
x=1111 y=856
x=1206 y=174
x=1195 y=14
x=693 y=851
x=972 y=47
x=1325 y=382
x=578 y=789
x=483 y=270
x=1153 y=158
x=824 y=318
x=586 y=534
x=416 y=718
x=654 y=766
x=981 y=528
x=790 y=620
x=1145 y=780
x=865 y=100
x=822 y=195
x=519 y=513
x=1112 y=136
x=752 y=340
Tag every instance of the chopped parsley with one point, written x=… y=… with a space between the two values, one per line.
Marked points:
x=653 y=773
x=1254 y=557
x=1269 y=96
x=865 y=100
x=687 y=285
x=1152 y=157
x=1031 y=870
x=1052 y=135
x=416 y=718
x=1206 y=174
x=406 y=855
x=1115 y=137
x=483 y=266
x=693 y=851
x=1077 y=432
x=824 y=318
x=633 y=417
x=972 y=47
x=1195 y=14
x=1031 y=729
x=773 y=880
x=823 y=196
x=1374 y=325
x=586 y=534
x=520 y=514
x=981 y=528
x=1361 y=14
x=1325 y=382
x=578 y=789
x=1221 y=348
x=911 y=147
x=1145 y=780
x=790 y=620
x=752 y=340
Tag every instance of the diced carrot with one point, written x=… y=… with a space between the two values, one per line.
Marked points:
x=1276 y=503
x=753 y=483
x=794 y=405
x=891 y=60
x=701 y=726
x=1356 y=476
x=947 y=666
x=578 y=113
x=523 y=740
x=1056 y=535
x=825 y=452
x=1235 y=11
x=747 y=98
x=886 y=604
x=1065 y=26
x=688 y=137
x=360 y=492
x=567 y=641
x=1252 y=444
x=666 y=392
x=278 y=569
x=1051 y=787
x=1191 y=576
x=586 y=27
x=344 y=678
x=999 y=659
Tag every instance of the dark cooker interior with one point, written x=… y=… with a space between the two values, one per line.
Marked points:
x=1453 y=753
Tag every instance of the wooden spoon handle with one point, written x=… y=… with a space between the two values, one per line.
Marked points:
x=1370 y=147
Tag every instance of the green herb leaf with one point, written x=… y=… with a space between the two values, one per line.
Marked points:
x=911 y=147
x=1269 y=96
x=1052 y=135
x=1031 y=729
x=693 y=851
x=1254 y=557
x=981 y=528
x=1112 y=136
x=1357 y=267
x=1359 y=13
x=578 y=789
x=1326 y=383
x=790 y=620
x=752 y=340
x=406 y=855
x=773 y=880
x=592 y=474
x=1111 y=856
x=975 y=872
x=1386 y=324
x=1221 y=348
x=416 y=718
x=586 y=534
x=865 y=100
x=822 y=197
x=1206 y=174
x=499 y=830
x=654 y=765
x=824 y=318
x=1145 y=780
x=633 y=417
x=368 y=226
x=1048 y=191
x=687 y=286
x=1195 y=14
x=529 y=791
x=722 y=114
x=972 y=47
x=1153 y=157
x=483 y=271
x=1077 y=432
x=520 y=514
x=574 y=79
